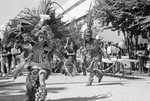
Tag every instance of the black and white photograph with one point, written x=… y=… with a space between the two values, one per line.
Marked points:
x=74 y=50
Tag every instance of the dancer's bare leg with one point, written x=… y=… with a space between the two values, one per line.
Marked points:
x=42 y=76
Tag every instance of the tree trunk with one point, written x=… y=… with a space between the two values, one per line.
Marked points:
x=129 y=45
x=136 y=41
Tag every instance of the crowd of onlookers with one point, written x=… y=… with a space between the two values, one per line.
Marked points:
x=141 y=53
x=11 y=55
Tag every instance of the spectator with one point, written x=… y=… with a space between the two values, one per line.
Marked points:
x=141 y=56
x=119 y=51
x=9 y=56
x=4 y=61
x=70 y=49
x=109 y=49
x=15 y=51
x=0 y=56
x=105 y=50
x=146 y=53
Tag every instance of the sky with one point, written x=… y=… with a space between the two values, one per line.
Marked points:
x=10 y=8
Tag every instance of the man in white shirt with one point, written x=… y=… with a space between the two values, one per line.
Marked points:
x=109 y=49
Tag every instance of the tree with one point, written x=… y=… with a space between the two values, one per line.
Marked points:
x=131 y=17
x=75 y=30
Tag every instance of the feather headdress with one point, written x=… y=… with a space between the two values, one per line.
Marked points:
x=89 y=22
x=34 y=22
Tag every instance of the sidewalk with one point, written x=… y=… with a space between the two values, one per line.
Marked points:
x=135 y=75
x=62 y=88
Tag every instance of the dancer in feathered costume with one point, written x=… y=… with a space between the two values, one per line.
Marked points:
x=92 y=58
x=38 y=59
x=39 y=71
x=93 y=53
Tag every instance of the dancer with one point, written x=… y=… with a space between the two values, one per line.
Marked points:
x=92 y=53
x=39 y=69
x=93 y=57
x=37 y=60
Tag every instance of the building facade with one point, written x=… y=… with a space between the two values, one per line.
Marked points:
x=78 y=10
x=74 y=9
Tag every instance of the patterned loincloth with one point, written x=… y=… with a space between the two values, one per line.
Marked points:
x=34 y=91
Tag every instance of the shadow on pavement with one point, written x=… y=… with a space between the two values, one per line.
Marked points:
x=23 y=97
x=127 y=76
x=4 y=78
x=111 y=83
x=66 y=83
x=11 y=84
x=55 y=90
x=93 y=98
x=101 y=84
x=11 y=88
x=12 y=91
x=2 y=83
x=13 y=98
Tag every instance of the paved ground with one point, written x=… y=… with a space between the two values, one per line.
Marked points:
x=61 y=88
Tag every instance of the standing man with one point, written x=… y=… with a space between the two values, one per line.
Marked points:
x=109 y=49
x=4 y=60
x=9 y=56
x=15 y=51
x=0 y=55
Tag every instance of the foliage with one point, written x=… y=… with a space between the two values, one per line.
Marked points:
x=132 y=17
x=124 y=15
x=75 y=30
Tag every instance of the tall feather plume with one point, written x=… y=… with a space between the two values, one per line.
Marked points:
x=89 y=21
x=89 y=18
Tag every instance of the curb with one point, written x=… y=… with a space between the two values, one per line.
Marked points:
x=125 y=76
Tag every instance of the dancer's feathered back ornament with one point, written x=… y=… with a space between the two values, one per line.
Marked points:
x=32 y=22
